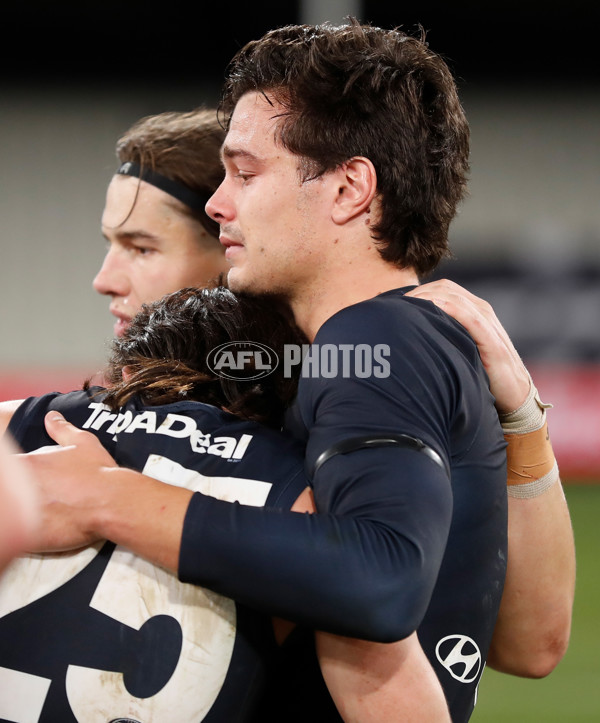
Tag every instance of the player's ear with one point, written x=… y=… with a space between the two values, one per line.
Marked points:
x=357 y=186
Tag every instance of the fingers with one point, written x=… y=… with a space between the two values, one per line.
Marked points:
x=509 y=379
x=475 y=314
x=86 y=448
x=63 y=432
x=445 y=292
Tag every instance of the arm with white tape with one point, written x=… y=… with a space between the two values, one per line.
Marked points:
x=534 y=623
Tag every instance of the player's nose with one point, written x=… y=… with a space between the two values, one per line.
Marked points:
x=111 y=279
x=220 y=206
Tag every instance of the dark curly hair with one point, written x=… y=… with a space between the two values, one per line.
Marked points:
x=358 y=90
x=166 y=346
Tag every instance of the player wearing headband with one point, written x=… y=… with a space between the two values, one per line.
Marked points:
x=159 y=236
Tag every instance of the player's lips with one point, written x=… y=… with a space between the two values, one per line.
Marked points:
x=121 y=323
x=231 y=246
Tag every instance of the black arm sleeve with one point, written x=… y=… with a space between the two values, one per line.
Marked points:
x=365 y=569
x=366 y=565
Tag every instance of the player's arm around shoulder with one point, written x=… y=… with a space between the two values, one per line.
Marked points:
x=86 y=497
x=533 y=628
x=534 y=623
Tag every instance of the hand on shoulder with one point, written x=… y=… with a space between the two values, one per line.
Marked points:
x=509 y=379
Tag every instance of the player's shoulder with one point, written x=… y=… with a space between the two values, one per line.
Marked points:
x=65 y=402
x=387 y=314
x=412 y=328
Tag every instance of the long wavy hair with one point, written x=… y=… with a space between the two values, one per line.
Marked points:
x=165 y=349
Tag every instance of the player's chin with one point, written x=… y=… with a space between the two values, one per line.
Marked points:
x=239 y=281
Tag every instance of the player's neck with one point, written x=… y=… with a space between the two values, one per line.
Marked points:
x=323 y=300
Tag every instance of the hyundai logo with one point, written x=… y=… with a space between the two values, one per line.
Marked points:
x=460 y=656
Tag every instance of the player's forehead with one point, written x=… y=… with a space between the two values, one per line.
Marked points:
x=252 y=130
x=132 y=202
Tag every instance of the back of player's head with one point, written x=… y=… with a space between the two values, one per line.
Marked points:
x=165 y=352
x=182 y=146
x=358 y=90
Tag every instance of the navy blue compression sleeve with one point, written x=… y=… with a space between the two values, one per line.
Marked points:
x=365 y=569
x=367 y=565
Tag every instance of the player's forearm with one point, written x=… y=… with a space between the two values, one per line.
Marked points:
x=374 y=682
x=143 y=515
x=19 y=510
x=366 y=570
x=534 y=623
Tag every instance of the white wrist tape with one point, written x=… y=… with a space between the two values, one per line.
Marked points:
x=530 y=416
x=531 y=465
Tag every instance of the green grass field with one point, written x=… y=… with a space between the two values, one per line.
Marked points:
x=571 y=694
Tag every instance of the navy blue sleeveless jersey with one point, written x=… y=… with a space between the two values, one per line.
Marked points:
x=408 y=468
x=102 y=635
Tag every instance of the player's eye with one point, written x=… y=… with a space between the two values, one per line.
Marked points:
x=142 y=250
x=244 y=176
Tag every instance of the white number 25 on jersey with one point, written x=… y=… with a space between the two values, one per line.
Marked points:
x=133 y=591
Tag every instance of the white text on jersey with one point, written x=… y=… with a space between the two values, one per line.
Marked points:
x=173 y=425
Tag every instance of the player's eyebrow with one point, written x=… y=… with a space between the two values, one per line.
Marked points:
x=130 y=235
x=231 y=152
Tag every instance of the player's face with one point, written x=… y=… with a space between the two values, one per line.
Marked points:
x=269 y=218
x=153 y=249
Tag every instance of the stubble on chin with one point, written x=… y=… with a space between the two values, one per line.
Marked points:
x=242 y=283
x=234 y=282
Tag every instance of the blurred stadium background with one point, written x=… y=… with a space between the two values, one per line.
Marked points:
x=527 y=239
